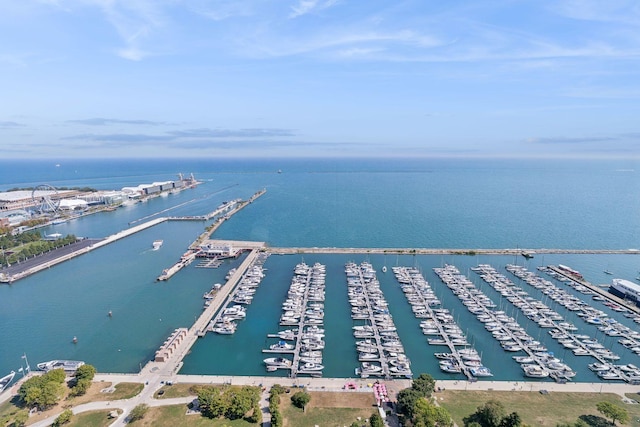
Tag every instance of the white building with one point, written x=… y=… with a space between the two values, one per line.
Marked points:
x=625 y=289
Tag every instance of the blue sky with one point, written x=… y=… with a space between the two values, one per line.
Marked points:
x=227 y=78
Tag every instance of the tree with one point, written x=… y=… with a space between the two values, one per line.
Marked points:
x=138 y=412
x=511 y=420
x=375 y=420
x=42 y=391
x=613 y=411
x=51 y=393
x=81 y=387
x=256 y=414
x=424 y=384
x=427 y=414
x=63 y=418
x=212 y=402
x=85 y=372
x=488 y=415
x=56 y=375
x=21 y=418
x=240 y=402
x=407 y=399
x=300 y=399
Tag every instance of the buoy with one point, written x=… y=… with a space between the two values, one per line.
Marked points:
x=75 y=340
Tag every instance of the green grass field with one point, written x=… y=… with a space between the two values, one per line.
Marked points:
x=535 y=409
x=91 y=419
x=175 y=415
x=124 y=391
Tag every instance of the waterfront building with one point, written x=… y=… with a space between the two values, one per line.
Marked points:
x=625 y=289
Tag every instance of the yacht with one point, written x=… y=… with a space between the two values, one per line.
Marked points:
x=67 y=365
x=225 y=328
x=535 y=371
x=6 y=380
x=278 y=362
x=157 y=244
x=481 y=371
x=281 y=346
x=310 y=366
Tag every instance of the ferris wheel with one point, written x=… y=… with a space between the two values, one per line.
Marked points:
x=45 y=198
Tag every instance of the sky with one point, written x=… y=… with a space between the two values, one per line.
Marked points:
x=319 y=78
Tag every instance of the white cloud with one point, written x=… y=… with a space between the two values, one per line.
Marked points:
x=304 y=7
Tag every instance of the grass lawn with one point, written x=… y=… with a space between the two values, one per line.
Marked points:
x=7 y=411
x=328 y=409
x=175 y=415
x=94 y=394
x=91 y=419
x=123 y=391
x=175 y=390
x=535 y=409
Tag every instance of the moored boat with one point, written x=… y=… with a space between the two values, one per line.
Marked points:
x=69 y=366
x=6 y=380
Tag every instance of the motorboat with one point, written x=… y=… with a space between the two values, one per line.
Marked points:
x=535 y=371
x=69 y=366
x=481 y=371
x=157 y=244
x=278 y=362
x=311 y=366
x=281 y=345
x=228 y=328
x=6 y=380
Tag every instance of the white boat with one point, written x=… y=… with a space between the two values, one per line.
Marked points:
x=278 y=362
x=67 y=365
x=535 y=371
x=309 y=366
x=370 y=368
x=481 y=371
x=6 y=380
x=157 y=244
x=228 y=328
x=282 y=346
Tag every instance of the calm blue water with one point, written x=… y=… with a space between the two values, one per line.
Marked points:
x=343 y=203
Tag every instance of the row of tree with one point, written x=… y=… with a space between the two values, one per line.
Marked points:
x=33 y=248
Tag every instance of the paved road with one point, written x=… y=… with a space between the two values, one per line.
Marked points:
x=48 y=257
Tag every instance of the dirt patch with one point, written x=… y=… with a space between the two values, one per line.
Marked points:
x=341 y=399
x=94 y=394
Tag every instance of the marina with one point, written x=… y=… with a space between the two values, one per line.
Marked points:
x=190 y=278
